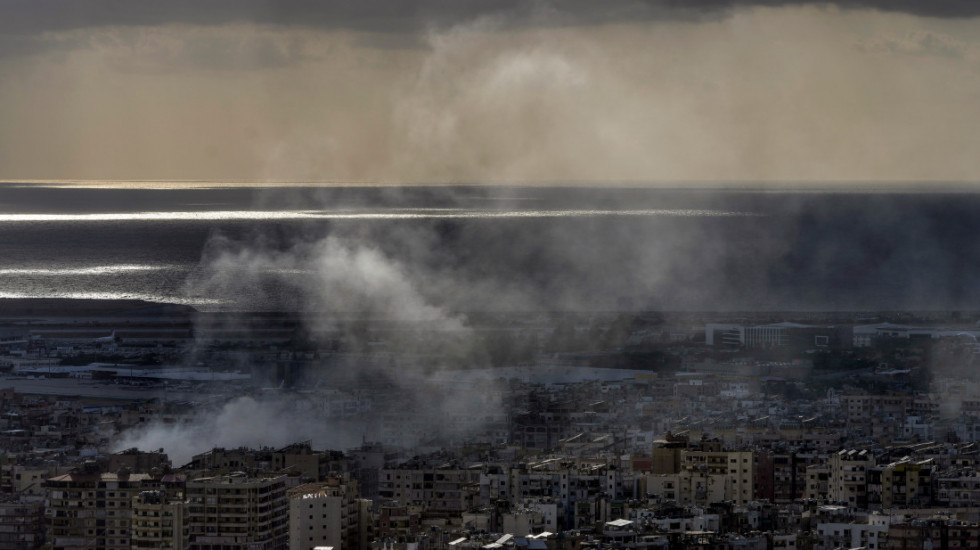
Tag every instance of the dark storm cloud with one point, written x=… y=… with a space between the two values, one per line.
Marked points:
x=24 y=17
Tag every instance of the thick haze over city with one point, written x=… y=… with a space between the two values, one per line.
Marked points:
x=428 y=91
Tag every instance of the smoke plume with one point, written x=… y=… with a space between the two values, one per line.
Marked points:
x=243 y=421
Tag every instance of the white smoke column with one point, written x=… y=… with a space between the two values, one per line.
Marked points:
x=243 y=421
x=360 y=279
x=331 y=277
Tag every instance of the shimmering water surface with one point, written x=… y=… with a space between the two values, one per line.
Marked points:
x=565 y=248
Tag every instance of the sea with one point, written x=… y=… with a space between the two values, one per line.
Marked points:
x=448 y=248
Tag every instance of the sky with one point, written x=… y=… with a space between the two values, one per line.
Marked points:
x=480 y=91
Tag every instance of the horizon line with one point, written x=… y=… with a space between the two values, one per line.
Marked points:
x=841 y=185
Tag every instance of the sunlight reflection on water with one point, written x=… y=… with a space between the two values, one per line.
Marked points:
x=411 y=214
x=94 y=270
x=109 y=295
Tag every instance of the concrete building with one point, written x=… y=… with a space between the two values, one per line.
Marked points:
x=818 y=482
x=848 y=482
x=237 y=512
x=310 y=464
x=399 y=523
x=324 y=514
x=549 y=512
x=958 y=488
x=438 y=491
x=906 y=483
x=91 y=510
x=23 y=480
x=872 y=535
x=21 y=525
x=667 y=454
x=707 y=476
x=933 y=534
x=138 y=461
x=778 y=335
x=732 y=471
x=159 y=521
x=522 y=522
x=782 y=477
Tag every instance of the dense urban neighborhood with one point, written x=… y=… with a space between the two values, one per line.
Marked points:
x=163 y=428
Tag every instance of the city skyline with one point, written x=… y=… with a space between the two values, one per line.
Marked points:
x=489 y=275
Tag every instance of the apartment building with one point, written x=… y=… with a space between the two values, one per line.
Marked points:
x=324 y=514
x=438 y=491
x=958 y=488
x=906 y=483
x=23 y=479
x=310 y=464
x=872 y=534
x=782 y=477
x=707 y=476
x=848 y=479
x=733 y=472
x=399 y=522
x=237 y=512
x=159 y=521
x=933 y=533
x=818 y=482
x=21 y=525
x=91 y=510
